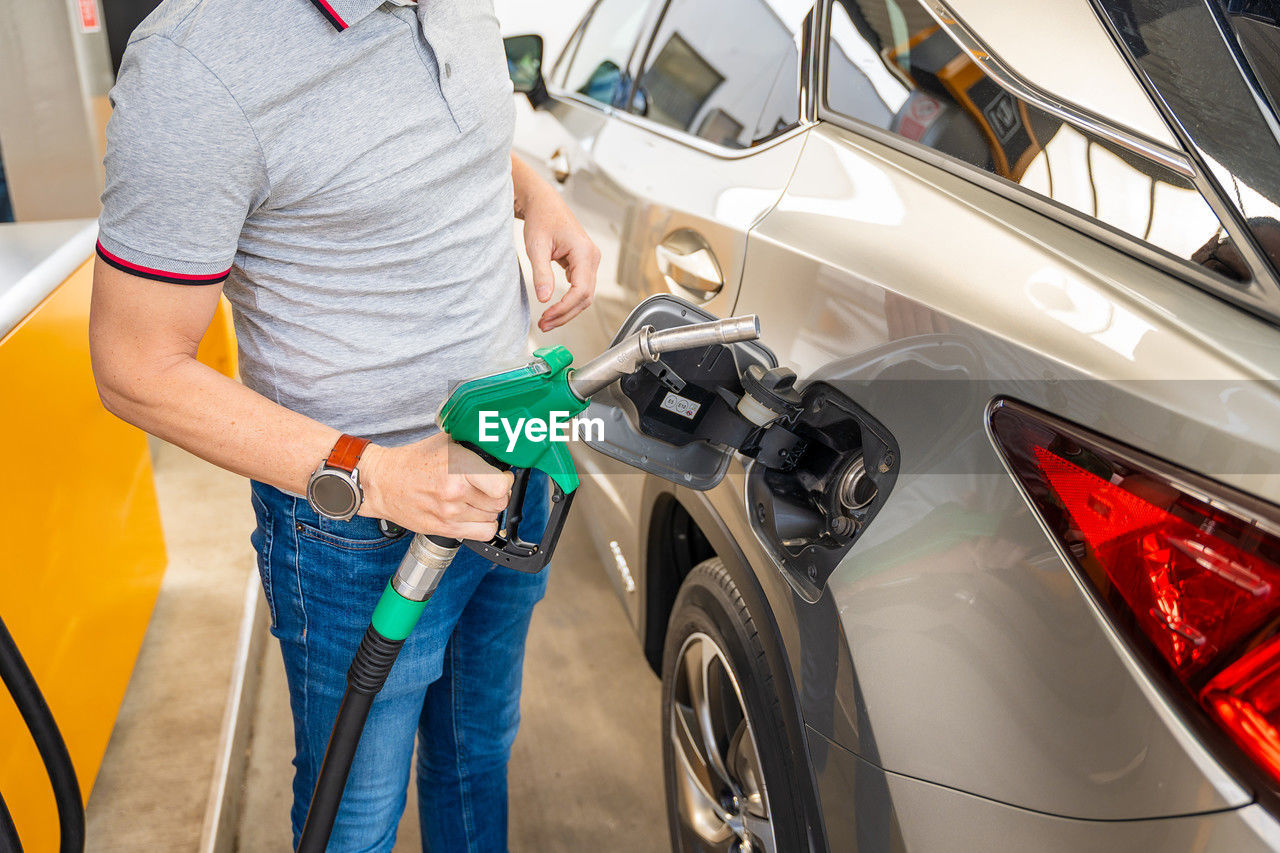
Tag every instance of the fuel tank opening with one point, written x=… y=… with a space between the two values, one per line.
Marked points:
x=856 y=488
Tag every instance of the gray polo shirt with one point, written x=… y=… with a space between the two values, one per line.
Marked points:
x=344 y=166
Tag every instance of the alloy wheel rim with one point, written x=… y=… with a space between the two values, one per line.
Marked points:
x=720 y=788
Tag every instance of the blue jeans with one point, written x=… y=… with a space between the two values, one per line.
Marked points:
x=455 y=686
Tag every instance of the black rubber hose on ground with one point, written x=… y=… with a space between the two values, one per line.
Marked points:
x=53 y=750
x=368 y=673
x=9 y=840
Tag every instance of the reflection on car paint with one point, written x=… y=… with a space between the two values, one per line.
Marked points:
x=944 y=100
x=1183 y=49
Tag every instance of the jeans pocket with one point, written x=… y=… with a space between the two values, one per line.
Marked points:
x=263 y=537
x=347 y=543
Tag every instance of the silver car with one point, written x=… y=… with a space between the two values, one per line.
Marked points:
x=1008 y=576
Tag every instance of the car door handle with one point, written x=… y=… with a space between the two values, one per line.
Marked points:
x=686 y=260
x=558 y=163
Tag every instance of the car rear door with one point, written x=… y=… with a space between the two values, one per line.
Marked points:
x=669 y=186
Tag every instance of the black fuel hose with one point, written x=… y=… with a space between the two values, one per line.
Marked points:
x=365 y=678
x=9 y=840
x=368 y=672
x=53 y=750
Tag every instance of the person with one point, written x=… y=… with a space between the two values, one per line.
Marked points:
x=342 y=171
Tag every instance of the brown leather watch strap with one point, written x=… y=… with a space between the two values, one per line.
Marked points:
x=346 y=453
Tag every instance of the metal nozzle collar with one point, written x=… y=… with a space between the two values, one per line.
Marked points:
x=646 y=344
x=422 y=568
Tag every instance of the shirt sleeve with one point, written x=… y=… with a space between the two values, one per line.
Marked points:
x=183 y=169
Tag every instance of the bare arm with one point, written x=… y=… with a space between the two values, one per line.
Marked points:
x=552 y=233
x=143 y=337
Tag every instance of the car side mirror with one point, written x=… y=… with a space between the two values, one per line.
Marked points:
x=524 y=64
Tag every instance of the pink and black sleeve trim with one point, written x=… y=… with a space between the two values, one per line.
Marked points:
x=143 y=271
x=328 y=12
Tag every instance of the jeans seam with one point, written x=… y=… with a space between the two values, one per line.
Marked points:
x=268 y=538
x=271 y=581
x=306 y=648
x=459 y=747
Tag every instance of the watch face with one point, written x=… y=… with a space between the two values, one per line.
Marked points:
x=333 y=495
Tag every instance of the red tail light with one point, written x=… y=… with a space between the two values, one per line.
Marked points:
x=1188 y=569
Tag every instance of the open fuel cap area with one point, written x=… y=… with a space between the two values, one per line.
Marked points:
x=675 y=419
x=818 y=481
x=819 y=465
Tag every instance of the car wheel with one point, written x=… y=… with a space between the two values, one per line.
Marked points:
x=728 y=774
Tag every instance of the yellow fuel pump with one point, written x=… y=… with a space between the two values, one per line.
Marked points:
x=82 y=525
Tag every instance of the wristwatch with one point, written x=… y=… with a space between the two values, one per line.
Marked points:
x=334 y=489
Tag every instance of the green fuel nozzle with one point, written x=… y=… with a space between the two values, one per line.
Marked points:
x=518 y=417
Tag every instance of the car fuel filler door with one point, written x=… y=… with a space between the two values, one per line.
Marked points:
x=819 y=466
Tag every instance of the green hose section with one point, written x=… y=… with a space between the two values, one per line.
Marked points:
x=395 y=615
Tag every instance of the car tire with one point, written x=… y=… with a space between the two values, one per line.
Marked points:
x=717 y=689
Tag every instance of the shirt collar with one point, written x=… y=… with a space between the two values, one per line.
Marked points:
x=344 y=13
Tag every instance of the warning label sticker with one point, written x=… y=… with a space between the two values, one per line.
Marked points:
x=90 y=20
x=682 y=406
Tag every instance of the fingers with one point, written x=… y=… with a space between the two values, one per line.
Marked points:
x=466 y=512
x=477 y=532
x=480 y=474
x=539 y=249
x=436 y=486
x=487 y=495
x=457 y=526
x=462 y=511
x=581 y=265
x=472 y=516
x=492 y=487
x=477 y=484
x=570 y=306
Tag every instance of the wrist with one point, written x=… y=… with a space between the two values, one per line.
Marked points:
x=372 y=481
x=533 y=195
x=335 y=489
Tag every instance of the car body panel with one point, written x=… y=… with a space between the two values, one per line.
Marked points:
x=867 y=809
x=719 y=199
x=767 y=595
x=955 y=581
x=630 y=208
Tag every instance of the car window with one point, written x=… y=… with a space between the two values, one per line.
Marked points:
x=561 y=67
x=1180 y=47
x=602 y=49
x=890 y=65
x=727 y=71
x=1259 y=36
